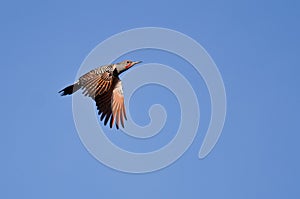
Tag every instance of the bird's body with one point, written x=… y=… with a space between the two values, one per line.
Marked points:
x=104 y=86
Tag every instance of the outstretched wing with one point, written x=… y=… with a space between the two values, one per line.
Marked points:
x=95 y=84
x=118 y=107
x=110 y=105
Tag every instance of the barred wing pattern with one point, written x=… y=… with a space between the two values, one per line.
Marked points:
x=97 y=81
x=106 y=89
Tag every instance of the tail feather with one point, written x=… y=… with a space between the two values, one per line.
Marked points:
x=70 y=89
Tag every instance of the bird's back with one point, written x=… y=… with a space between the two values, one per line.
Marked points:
x=95 y=72
x=104 y=68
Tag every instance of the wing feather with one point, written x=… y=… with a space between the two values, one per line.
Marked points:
x=96 y=84
x=118 y=107
x=110 y=104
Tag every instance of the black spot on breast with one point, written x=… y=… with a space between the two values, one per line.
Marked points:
x=115 y=73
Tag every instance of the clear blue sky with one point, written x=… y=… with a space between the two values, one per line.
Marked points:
x=255 y=44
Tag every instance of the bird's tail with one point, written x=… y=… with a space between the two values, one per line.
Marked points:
x=70 y=89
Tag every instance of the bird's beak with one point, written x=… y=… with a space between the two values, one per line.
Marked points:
x=136 y=62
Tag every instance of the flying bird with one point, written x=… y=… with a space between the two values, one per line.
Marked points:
x=105 y=87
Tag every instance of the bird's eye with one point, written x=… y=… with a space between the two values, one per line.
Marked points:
x=128 y=62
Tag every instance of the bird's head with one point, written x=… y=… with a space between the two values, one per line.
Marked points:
x=125 y=65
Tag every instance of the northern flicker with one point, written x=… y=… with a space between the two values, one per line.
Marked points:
x=104 y=86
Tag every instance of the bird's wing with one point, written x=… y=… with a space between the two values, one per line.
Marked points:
x=111 y=105
x=118 y=108
x=96 y=84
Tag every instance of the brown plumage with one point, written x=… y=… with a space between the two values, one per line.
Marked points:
x=104 y=86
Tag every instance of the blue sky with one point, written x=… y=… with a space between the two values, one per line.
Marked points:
x=255 y=45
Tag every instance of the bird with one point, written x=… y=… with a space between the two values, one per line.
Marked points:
x=104 y=86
